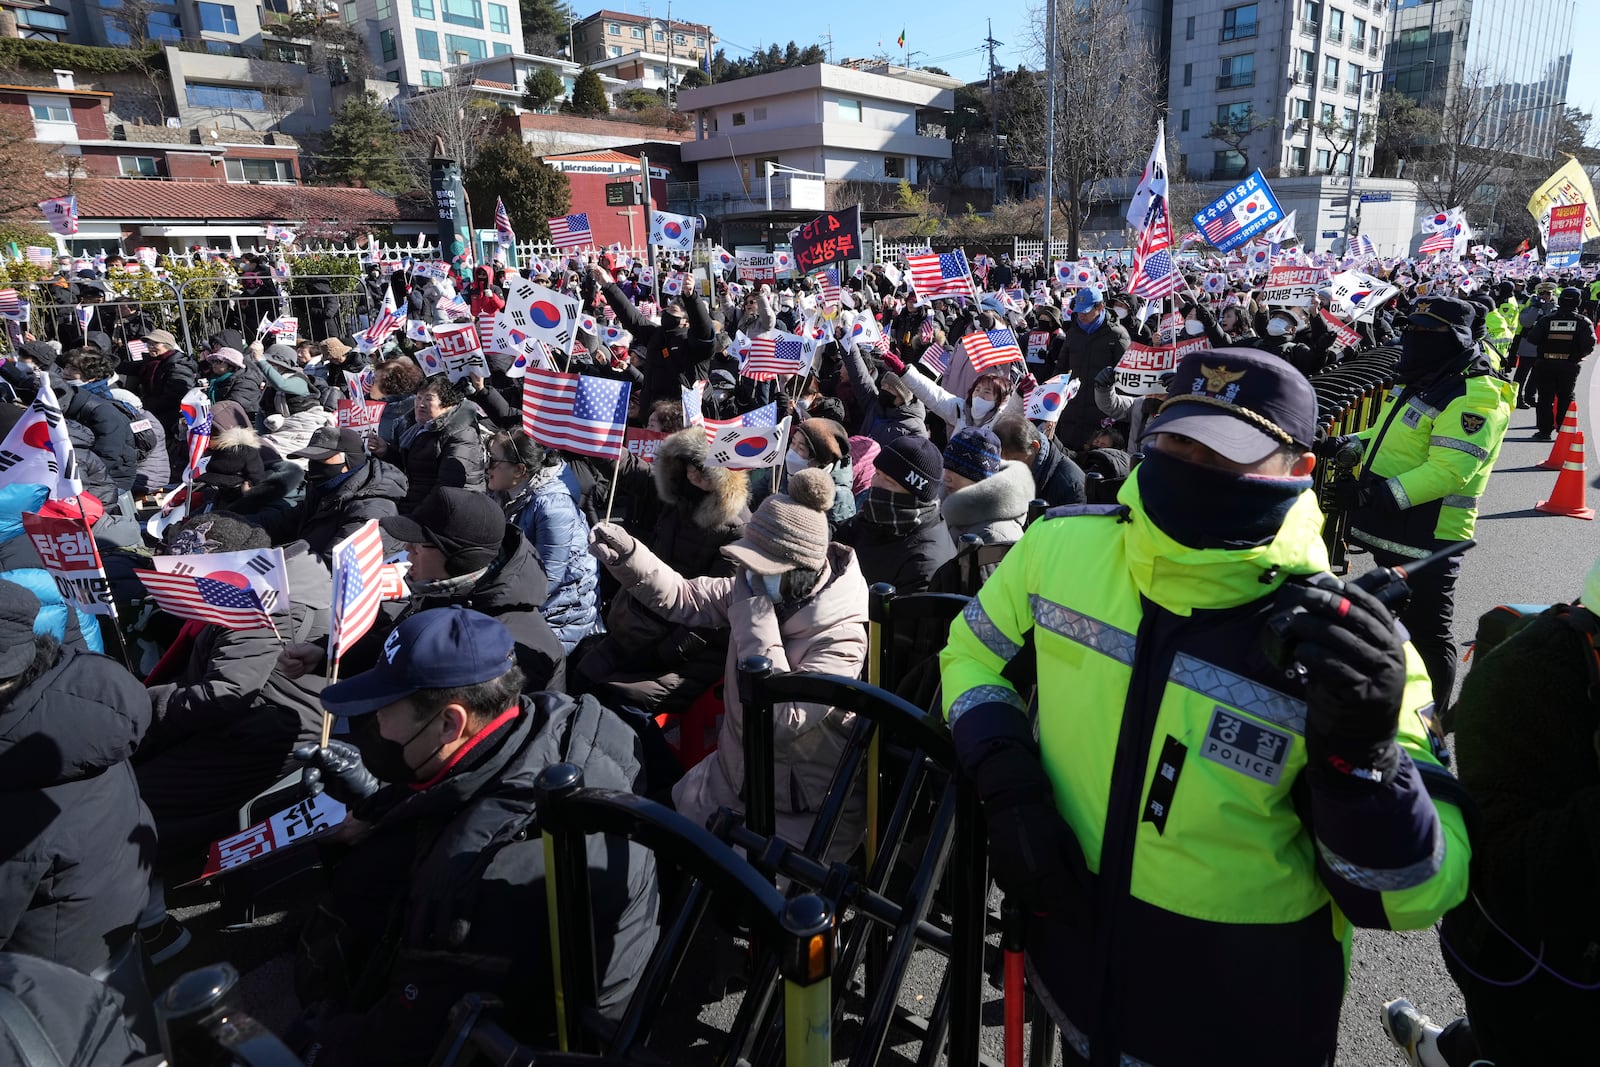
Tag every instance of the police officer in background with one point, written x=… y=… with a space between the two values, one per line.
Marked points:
x=1542 y=303
x=1425 y=463
x=1562 y=338
x=1196 y=821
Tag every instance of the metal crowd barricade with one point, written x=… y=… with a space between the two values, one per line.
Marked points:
x=325 y=305
x=53 y=315
x=1349 y=396
x=797 y=933
x=931 y=789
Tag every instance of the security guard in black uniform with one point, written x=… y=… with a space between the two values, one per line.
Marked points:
x=1562 y=339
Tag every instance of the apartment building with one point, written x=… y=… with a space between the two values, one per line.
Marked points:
x=414 y=43
x=640 y=51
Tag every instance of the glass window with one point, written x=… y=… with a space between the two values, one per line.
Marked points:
x=393 y=76
x=455 y=47
x=258 y=170
x=1308 y=62
x=1183 y=121
x=1188 y=28
x=1327 y=113
x=218 y=18
x=1311 y=11
x=658 y=35
x=422 y=9
x=1358 y=32
x=164 y=26
x=225 y=97
x=849 y=111
x=433 y=79
x=41 y=20
x=463 y=13
x=501 y=48
x=758 y=114
x=1330 y=69
x=1299 y=109
x=1349 y=118
x=51 y=112
x=386 y=44
x=1236 y=115
x=385 y=9
x=637 y=32
x=428 y=45
x=738 y=118
x=677 y=38
x=614 y=51
x=1239 y=22
x=350 y=10
x=894 y=166
x=1188 y=74
x=1335 y=23
x=137 y=166
x=1324 y=160
x=499 y=18
x=1237 y=71
x=1297 y=158
x=1227 y=164
x=613 y=29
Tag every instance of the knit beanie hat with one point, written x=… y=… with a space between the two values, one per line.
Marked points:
x=828 y=440
x=973 y=452
x=914 y=463
x=788 y=530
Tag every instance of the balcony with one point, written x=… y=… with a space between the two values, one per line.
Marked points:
x=1330 y=83
x=1375 y=49
x=1352 y=88
x=1309 y=29
x=1358 y=43
x=1335 y=37
x=1242 y=80
x=1237 y=33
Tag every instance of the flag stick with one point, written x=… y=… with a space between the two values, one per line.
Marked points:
x=616 y=473
x=327 y=716
x=116 y=620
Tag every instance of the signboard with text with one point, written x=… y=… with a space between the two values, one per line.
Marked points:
x=757 y=267
x=1566 y=228
x=458 y=347
x=830 y=238
x=1290 y=286
x=1141 y=367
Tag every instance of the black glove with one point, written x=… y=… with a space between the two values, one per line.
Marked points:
x=1035 y=857
x=1327 y=448
x=1351 y=495
x=1355 y=664
x=339 y=770
x=1106 y=378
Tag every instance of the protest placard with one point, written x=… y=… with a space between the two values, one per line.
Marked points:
x=459 y=349
x=68 y=551
x=1291 y=286
x=757 y=267
x=304 y=821
x=644 y=443
x=361 y=417
x=1140 y=369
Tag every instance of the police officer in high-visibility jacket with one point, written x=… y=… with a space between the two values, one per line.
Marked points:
x=1501 y=326
x=1425 y=463
x=1197 y=829
x=1562 y=338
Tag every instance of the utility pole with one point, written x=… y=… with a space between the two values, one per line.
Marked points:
x=828 y=37
x=994 y=112
x=1049 y=124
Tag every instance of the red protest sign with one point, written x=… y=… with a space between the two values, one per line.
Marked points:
x=458 y=347
x=1566 y=228
x=67 y=549
x=1140 y=369
x=830 y=238
x=364 y=417
x=643 y=443
x=310 y=818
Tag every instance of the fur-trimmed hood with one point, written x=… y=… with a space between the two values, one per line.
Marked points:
x=730 y=490
x=236 y=437
x=1001 y=497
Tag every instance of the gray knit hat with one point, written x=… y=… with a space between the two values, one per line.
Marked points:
x=788 y=530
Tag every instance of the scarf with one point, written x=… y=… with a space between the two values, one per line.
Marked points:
x=901 y=514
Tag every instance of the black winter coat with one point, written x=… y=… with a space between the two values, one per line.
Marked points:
x=76 y=843
x=327 y=516
x=673 y=358
x=907 y=562
x=113 y=433
x=1057 y=480
x=446 y=895
x=80 y=1017
x=244 y=387
x=163 y=384
x=1087 y=354
x=446 y=452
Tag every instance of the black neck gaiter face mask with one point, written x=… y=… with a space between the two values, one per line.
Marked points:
x=1203 y=507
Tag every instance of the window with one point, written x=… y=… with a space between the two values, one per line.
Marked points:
x=385 y=9
x=849 y=111
x=614 y=51
x=738 y=118
x=1307 y=66
x=1335 y=25
x=463 y=13
x=1327 y=114
x=428 y=45
x=894 y=166
x=658 y=36
x=758 y=114
x=386 y=44
x=1330 y=72
x=699 y=42
x=1235 y=115
x=51 y=112
x=433 y=79
x=677 y=39
x=1376 y=33
x=638 y=33
x=613 y=29
x=138 y=166
x=225 y=97
x=1349 y=118
x=1237 y=71
x=469 y=47
x=218 y=18
x=1188 y=74
x=258 y=170
x=394 y=76
x=350 y=10
x=1227 y=164
x=1324 y=161
x=1299 y=110
x=1297 y=159
x=422 y=9
x=1188 y=28
x=164 y=26
x=1239 y=22
x=1183 y=121
x=501 y=48
x=1358 y=33
x=41 y=20
x=1311 y=12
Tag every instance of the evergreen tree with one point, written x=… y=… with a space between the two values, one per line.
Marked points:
x=541 y=89
x=511 y=170
x=589 y=96
x=544 y=26
x=362 y=147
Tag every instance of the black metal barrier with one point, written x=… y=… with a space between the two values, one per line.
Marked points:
x=954 y=848
x=797 y=934
x=1349 y=396
x=200 y=1024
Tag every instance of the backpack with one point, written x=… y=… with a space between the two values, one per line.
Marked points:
x=1498 y=624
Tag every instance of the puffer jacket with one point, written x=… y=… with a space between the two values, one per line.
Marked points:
x=549 y=518
x=1087 y=355
x=328 y=515
x=113 y=435
x=994 y=508
x=244 y=387
x=881 y=418
x=956 y=411
x=77 y=843
x=446 y=452
x=648 y=661
x=826 y=634
x=906 y=561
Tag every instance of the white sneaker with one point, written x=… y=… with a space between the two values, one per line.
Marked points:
x=1413 y=1033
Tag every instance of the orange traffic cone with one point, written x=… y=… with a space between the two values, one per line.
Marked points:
x=1563 y=445
x=1567 y=498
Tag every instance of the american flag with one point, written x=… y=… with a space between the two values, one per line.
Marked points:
x=766 y=415
x=1220 y=228
x=1364 y=246
x=773 y=354
x=693 y=403
x=453 y=307
x=571 y=231
x=985 y=350
x=1155 y=275
x=39 y=256
x=503 y=233
x=207 y=599
x=196 y=411
x=1443 y=241
x=9 y=304
x=137 y=350
x=357 y=588
x=935 y=358
x=575 y=412
x=828 y=279
x=387 y=322
x=940 y=274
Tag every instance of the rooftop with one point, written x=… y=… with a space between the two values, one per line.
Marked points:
x=621 y=16
x=137 y=199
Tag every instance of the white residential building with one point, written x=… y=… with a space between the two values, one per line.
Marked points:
x=829 y=123
x=414 y=42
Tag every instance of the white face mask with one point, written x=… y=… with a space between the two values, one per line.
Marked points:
x=1277 y=327
x=1194 y=327
x=1120 y=313
x=794 y=462
x=981 y=408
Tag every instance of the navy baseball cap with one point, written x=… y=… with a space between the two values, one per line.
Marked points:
x=445 y=648
x=1241 y=403
x=1086 y=299
x=1443 y=313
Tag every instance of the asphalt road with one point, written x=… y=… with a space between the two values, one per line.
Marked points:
x=1523 y=557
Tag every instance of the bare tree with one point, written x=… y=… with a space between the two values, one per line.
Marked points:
x=35 y=170
x=451 y=114
x=1235 y=132
x=1477 y=139
x=1342 y=135
x=132 y=17
x=1107 y=101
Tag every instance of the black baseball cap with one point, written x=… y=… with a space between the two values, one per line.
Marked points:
x=1443 y=313
x=466 y=526
x=445 y=648
x=329 y=441
x=1242 y=403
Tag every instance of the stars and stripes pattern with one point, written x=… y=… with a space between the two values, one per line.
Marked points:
x=1444 y=241
x=991 y=349
x=940 y=273
x=358 y=588
x=935 y=358
x=1155 y=275
x=388 y=321
x=39 y=256
x=196 y=411
x=766 y=415
x=9 y=302
x=575 y=412
x=453 y=307
x=827 y=280
x=503 y=233
x=1364 y=246
x=773 y=354
x=1220 y=228
x=206 y=599
x=137 y=350
x=694 y=402
x=571 y=231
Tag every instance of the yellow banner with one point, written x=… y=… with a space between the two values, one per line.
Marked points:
x=1569 y=185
